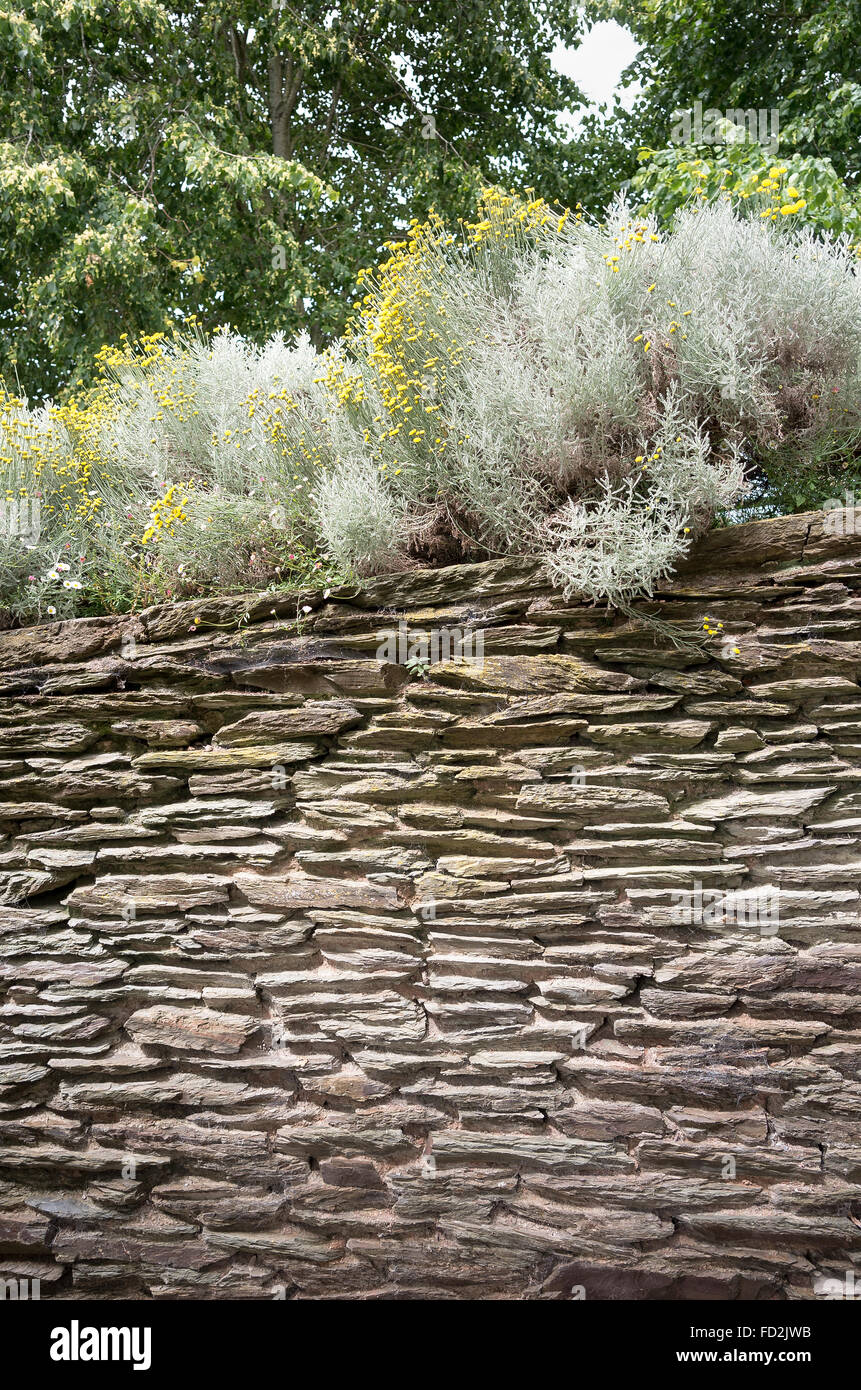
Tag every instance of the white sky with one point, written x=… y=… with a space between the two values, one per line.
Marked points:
x=597 y=64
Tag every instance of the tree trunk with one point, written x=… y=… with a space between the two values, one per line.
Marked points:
x=285 y=79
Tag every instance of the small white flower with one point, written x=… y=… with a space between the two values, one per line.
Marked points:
x=306 y=608
x=72 y=584
x=52 y=574
x=61 y=566
x=51 y=609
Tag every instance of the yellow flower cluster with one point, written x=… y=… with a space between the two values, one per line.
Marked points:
x=166 y=511
x=146 y=353
x=147 y=363
x=630 y=233
x=38 y=462
x=780 y=202
x=405 y=322
x=780 y=197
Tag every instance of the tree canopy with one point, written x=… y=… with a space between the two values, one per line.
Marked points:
x=236 y=163
x=789 y=57
x=788 y=79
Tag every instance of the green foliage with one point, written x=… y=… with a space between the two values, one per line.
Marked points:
x=166 y=161
x=670 y=178
x=799 y=60
x=794 y=68
x=784 y=483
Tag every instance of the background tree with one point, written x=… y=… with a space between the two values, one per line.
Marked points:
x=799 y=66
x=238 y=162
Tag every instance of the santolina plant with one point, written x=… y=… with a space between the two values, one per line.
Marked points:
x=529 y=384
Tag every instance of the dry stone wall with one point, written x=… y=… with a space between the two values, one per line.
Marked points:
x=536 y=978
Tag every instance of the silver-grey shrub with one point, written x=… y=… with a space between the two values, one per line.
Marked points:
x=533 y=385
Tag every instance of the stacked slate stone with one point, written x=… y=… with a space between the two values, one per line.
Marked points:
x=537 y=977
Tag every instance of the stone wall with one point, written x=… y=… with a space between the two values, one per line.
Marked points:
x=322 y=978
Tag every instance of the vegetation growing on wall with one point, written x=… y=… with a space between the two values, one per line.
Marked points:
x=530 y=384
